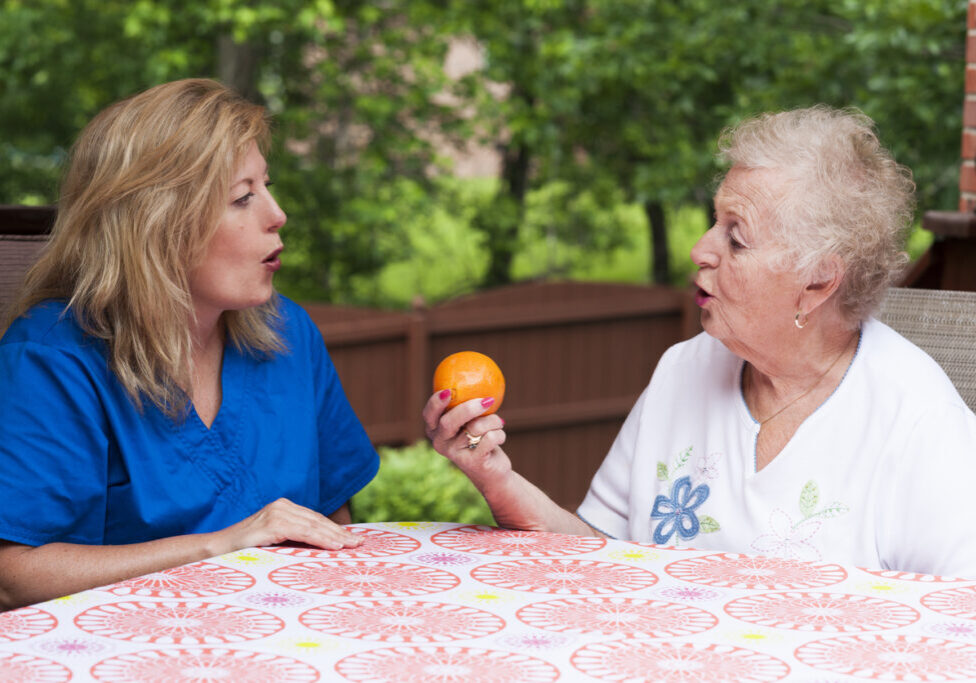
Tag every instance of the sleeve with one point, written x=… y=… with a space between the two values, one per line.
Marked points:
x=53 y=448
x=927 y=524
x=606 y=506
x=348 y=460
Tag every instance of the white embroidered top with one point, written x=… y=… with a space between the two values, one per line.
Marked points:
x=882 y=475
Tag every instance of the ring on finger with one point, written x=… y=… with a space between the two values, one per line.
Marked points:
x=473 y=440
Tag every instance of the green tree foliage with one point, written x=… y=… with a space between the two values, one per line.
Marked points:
x=634 y=93
x=352 y=85
x=593 y=103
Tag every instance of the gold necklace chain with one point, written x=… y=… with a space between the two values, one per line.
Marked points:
x=812 y=386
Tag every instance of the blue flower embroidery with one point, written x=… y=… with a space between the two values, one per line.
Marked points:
x=677 y=512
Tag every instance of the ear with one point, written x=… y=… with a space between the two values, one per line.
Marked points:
x=826 y=280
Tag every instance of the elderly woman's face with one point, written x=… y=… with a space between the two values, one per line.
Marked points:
x=242 y=257
x=745 y=302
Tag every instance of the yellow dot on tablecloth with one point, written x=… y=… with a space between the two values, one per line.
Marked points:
x=884 y=587
x=634 y=555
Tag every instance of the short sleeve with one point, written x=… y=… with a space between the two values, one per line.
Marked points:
x=927 y=523
x=606 y=505
x=53 y=447
x=348 y=460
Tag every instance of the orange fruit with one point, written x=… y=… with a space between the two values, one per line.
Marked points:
x=469 y=374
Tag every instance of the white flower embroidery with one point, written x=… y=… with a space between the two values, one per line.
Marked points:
x=787 y=539
x=706 y=467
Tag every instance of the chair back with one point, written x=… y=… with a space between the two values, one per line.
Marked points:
x=943 y=324
x=23 y=234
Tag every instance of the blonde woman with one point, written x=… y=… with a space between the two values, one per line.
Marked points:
x=161 y=403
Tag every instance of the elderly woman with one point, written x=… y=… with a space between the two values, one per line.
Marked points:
x=796 y=425
x=161 y=403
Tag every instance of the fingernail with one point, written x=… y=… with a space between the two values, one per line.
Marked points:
x=444 y=395
x=503 y=421
x=487 y=402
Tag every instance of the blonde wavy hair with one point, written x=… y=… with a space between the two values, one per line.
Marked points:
x=844 y=195
x=146 y=184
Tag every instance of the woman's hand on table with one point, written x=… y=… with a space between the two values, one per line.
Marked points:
x=284 y=520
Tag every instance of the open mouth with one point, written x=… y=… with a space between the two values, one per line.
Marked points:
x=272 y=261
x=702 y=296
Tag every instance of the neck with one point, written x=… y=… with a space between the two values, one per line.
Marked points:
x=775 y=384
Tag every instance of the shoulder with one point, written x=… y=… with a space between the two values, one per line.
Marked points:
x=702 y=355
x=50 y=324
x=295 y=323
x=907 y=373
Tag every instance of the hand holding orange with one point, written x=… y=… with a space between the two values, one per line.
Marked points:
x=469 y=374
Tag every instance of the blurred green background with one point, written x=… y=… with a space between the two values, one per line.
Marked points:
x=428 y=148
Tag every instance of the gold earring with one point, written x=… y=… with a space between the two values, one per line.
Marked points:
x=796 y=320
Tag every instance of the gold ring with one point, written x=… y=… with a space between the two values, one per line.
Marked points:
x=473 y=441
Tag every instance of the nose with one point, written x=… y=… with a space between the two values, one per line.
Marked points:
x=276 y=217
x=704 y=254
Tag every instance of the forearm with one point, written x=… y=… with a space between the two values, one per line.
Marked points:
x=33 y=574
x=517 y=503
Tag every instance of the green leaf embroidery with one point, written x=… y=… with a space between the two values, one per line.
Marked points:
x=835 y=509
x=662 y=471
x=682 y=458
x=707 y=524
x=809 y=497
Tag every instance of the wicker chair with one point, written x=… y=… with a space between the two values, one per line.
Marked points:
x=23 y=233
x=943 y=324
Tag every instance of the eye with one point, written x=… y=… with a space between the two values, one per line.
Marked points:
x=243 y=201
x=734 y=243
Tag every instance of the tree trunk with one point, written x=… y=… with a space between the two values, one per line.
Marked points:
x=660 y=261
x=503 y=225
x=237 y=66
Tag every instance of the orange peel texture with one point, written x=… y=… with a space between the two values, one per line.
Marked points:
x=469 y=374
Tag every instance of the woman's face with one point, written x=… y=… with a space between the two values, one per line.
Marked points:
x=241 y=259
x=745 y=303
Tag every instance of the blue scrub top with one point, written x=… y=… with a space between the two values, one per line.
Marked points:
x=79 y=463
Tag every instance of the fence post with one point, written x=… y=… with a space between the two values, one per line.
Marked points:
x=417 y=383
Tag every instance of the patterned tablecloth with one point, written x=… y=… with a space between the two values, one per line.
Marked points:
x=443 y=602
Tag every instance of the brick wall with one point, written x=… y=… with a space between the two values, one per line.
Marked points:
x=967 y=171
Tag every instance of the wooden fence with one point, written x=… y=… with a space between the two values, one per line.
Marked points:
x=575 y=358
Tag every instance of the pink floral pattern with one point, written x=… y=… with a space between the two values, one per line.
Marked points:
x=485 y=540
x=532 y=607
x=836 y=612
x=27 y=622
x=20 y=668
x=729 y=570
x=444 y=664
x=954 y=602
x=397 y=621
x=616 y=616
x=197 y=580
x=564 y=577
x=909 y=576
x=363 y=579
x=376 y=543
x=892 y=657
x=651 y=661
x=202 y=666
x=178 y=623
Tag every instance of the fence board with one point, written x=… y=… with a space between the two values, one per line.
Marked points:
x=575 y=358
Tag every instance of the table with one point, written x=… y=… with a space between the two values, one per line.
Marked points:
x=429 y=602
